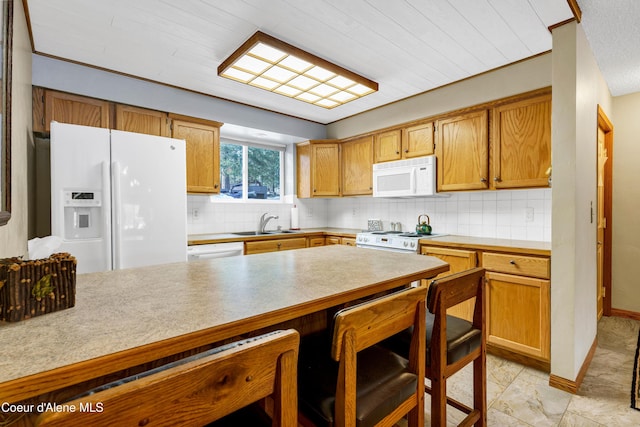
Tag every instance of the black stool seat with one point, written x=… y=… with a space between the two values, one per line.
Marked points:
x=462 y=339
x=383 y=382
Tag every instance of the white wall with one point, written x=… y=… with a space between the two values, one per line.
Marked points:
x=497 y=214
x=626 y=203
x=13 y=236
x=578 y=87
x=511 y=80
x=78 y=79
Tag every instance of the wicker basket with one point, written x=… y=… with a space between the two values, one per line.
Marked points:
x=32 y=288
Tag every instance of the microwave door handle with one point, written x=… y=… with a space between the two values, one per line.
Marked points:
x=412 y=178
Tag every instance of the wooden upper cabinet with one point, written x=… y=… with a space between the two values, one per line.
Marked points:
x=521 y=143
x=318 y=168
x=203 y=152
x=73 y=109
x=462 y=151
x=417 y=140
x=357 y=167
x=141 y=120
x=325 y=169
x=387 y=146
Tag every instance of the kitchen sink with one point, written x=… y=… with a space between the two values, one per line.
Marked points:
x=255 y=233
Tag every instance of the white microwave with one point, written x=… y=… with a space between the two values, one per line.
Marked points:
x=405 y=178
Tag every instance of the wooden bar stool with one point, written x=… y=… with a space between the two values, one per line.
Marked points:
x=452 y=343
x=199 y=389
x=357 y=382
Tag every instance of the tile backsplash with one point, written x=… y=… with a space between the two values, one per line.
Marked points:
x=507 y=214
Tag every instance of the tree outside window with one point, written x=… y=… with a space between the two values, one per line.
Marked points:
x=250 y=171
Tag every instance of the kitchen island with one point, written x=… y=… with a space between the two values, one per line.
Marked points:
x=128 y=318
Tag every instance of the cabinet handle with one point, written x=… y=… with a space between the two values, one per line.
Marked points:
x=314 y=190
x=215 y=185
x=406 y=151
x=279 y=244
x=483 y=179
x=397 y=152
x=512 y=262
x=497 y=179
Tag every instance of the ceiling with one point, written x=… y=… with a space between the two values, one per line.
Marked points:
x=406 y=46
x=613 y=32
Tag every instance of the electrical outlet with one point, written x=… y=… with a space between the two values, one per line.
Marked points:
x=528 y=214
x=195 y=214
x=354 y=212
x=309 y=212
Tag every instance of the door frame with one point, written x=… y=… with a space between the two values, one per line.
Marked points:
x=605 y=124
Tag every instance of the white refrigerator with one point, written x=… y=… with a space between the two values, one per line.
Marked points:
x=118 y=199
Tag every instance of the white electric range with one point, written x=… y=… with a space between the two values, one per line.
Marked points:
x=395 y=241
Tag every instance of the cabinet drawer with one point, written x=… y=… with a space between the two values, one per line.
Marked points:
x=316 y=241
x=517 y=264
x=275 y=245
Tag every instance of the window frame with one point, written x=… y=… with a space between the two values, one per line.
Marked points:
x=245 y=170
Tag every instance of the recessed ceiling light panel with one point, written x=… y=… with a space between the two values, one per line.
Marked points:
x=271 y=64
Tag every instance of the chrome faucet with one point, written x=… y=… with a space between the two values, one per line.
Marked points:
x=264 y=219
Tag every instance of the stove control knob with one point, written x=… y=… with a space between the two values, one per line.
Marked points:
x=413 y=244
x=406 y=244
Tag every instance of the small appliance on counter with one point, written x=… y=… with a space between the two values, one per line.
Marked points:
x=374 y=225
x=423 y=227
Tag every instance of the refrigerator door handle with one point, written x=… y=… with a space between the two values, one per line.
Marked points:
x=106 y=213
x=117 y=215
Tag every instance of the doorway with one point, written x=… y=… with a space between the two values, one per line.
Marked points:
x=604 y=223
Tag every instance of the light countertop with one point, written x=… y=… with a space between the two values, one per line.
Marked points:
x=201 y=239
x=486 y=243
x=127 y=317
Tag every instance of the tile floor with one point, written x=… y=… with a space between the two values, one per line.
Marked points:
x=521 y=396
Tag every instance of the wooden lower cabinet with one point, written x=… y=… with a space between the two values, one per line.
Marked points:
x=274 y=245
x=348 y=241
x=315 y=241
x=332 y=240
x=518 y=314
x=517 y=298
x=458 y=260
x=337 y=240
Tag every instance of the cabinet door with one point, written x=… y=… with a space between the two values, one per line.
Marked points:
x=274 y=245
x=141 y=120
x=357 y=167
x=349 y=241
x=74 y=109
x=417 y=140
x=458 y=260
x=521 y=143
x=203 y=155
x=463 y=152
x=316 y=241
x=518 y=314
x=387 y=146
x=332 y=240
x=303 y=170
x=325 y=170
